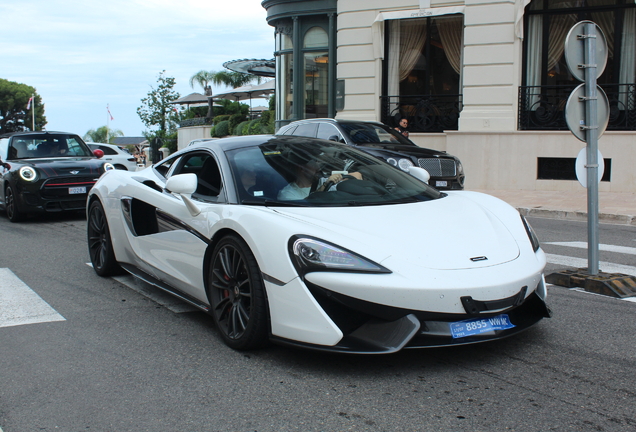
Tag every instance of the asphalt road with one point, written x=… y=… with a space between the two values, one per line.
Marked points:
x=121 y=361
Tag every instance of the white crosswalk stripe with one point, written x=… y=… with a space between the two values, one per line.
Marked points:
x=582 y=263
x=601 y=247
x=20 y=305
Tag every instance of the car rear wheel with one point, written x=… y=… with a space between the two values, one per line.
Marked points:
x=237 y=295
x=100 y=246
x=11 y=205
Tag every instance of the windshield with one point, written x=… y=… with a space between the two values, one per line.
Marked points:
x=308 y=172
x=47 y=146
x=368 y=133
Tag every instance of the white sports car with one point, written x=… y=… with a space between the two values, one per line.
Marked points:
x=316 y=244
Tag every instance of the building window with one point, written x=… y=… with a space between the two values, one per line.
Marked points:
x=423 y=72
x=284 y=72
x=547 y=80
x=316 y=61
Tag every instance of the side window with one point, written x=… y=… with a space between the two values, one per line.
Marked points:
x=165 y=166
x=207 y=170
x=108 y=151
x=306 y=130
x=326 y=131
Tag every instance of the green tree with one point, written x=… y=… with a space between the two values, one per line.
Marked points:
x=14 y=115
x=225 y=77
x=155 y=111
x=102 y=134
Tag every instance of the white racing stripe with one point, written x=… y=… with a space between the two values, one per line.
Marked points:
x=604 y=247
x=582 y=263
x=20 y=305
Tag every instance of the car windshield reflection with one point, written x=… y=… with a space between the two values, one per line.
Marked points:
x=306 y=172
x=48 y=146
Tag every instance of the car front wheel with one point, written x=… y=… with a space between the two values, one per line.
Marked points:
x=237 y=295
x=13 y=213
x=100 y=246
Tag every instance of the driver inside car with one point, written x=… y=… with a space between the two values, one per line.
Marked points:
x=305 y=176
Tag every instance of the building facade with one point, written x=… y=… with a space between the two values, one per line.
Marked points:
x=484 y=80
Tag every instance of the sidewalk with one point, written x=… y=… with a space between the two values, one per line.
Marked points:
x=614 y=207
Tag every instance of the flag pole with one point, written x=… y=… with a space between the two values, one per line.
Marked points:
x=107 y=123
x=33 y=113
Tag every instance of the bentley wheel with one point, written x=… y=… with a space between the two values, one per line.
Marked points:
x=13 y=213
x=100 y=247
x=237 y=295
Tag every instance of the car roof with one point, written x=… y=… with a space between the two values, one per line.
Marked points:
x=12 y=134
x=331 y=120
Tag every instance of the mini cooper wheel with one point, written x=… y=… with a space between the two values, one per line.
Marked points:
x=11 y=205
x=237 y=295
x=100 y=246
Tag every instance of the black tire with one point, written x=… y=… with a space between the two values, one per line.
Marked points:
x=10 y=201
x=100 y=246
x=237 y=295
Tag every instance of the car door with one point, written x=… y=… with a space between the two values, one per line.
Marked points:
x=166 y=235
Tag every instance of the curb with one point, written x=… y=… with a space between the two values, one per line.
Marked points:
x=577 y=215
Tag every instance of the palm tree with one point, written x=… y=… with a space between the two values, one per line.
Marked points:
x=102 y=134
x=228 y=78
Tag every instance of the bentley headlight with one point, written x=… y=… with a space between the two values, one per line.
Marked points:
x=405 y=164
x=310 y=254
x=28 y=174
x=531 y=234
x=392 y=161
x=108 y=166
x=460 y=168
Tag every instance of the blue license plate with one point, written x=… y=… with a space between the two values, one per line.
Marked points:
x=477 y=326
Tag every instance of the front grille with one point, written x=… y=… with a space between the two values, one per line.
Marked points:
x=438 y=167
x=69 y=182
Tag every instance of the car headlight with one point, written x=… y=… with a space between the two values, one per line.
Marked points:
x=531 y=234
x=405 y=164
x=108 y=166
x=309 y=254
x=460 y=168
x=28 y=174
x=392 y=161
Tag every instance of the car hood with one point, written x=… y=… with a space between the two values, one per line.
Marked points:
x=447 y=233
x=66 y=165
x=412 y=150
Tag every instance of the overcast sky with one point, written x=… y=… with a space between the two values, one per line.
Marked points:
x=82 y=55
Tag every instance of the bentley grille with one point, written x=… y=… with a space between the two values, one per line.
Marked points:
x=438 y=167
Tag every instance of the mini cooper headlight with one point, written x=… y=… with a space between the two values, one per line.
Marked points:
x=28 y=174
x=310 y=254
x=108 y=166
x=405 y=164
x=531 y=234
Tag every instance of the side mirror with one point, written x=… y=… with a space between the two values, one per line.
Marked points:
x=334 y=138
x=182 y=184
x=98 y=153
x=420 y=174
x=185 y=185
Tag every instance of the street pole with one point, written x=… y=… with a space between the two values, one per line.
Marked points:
x=591 y=122
x=33 y=113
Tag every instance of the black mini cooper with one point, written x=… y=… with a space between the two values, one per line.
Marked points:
x=46 y=172
x=446 y=171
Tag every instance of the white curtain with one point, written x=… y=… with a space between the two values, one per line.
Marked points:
x=412 y=40
x=451 y=33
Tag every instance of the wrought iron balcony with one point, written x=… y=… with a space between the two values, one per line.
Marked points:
x=425 y=113
x=197 y=121
x=543 y=107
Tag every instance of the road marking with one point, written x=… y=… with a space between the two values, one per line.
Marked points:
x=20 y=305
x=603 y=247
x=582 y=263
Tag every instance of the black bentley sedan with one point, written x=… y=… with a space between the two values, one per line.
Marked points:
x=446 y=171
x=46 y=172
